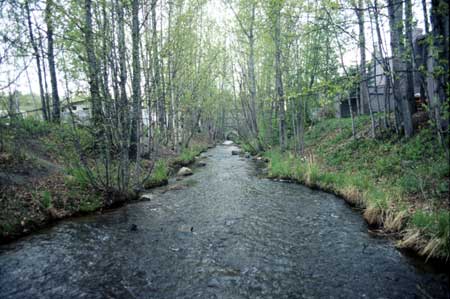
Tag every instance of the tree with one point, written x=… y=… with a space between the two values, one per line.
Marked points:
x=93 y=70
x=37 y=57
x=136 y=83
x=403 y=111
x=275 y=14
x=364 y=96
x=49 y=9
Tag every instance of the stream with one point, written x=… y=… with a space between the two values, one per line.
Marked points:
x=228 y=234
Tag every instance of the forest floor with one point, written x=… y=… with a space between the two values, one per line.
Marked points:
x=41 y=180
x=401 y=185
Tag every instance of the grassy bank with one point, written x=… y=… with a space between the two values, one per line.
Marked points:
x=402 y=185
x=41 y=179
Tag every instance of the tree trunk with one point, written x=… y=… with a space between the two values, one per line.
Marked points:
x=396 y=32
x=431 y=90
x=251 y=73
x=123 y=103
x=441 y=27
x=363 y=86
x=278 y=78
x=409 y=56
x=363 y=89
x=156 y=72
x=136 y=82
x=51 y=61
x=38 y=62
x=92 y=70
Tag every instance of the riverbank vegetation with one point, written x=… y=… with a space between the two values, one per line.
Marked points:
x=401 y=184
x=43 y=180
x=354 y=93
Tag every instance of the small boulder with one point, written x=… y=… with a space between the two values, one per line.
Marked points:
x=184 y=171
x=235 y=152
x=247 y=155
x=147 y=196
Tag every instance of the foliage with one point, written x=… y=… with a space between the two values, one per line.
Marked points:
x=80 y=177
x=46 y=199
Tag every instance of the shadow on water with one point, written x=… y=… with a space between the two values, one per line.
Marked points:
x=226 y=234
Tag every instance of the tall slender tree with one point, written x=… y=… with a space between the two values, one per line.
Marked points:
x=49 y=11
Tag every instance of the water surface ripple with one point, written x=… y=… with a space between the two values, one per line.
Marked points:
x=229 y=235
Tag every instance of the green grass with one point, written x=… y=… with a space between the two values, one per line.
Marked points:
x=402 y=184
x=187 y=155
x=159 y=176
x=160 y=172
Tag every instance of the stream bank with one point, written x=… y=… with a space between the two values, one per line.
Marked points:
x=39 y=187
x=230 y=234
x=402 y=185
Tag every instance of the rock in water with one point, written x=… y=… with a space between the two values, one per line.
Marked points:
x=201 y=164
x=235 y=152
x=184 y=171
x=147 y=196
x=133 y=227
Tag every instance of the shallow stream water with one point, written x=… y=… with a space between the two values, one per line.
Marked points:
x=229 y=234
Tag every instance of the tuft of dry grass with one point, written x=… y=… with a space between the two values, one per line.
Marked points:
x=373 y=215
x=352 y=195
x=394 y=221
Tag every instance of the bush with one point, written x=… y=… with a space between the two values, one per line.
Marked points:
x=46 y=199
x=80 y=176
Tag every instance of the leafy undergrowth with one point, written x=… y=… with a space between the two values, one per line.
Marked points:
x=402 y=185
x=42 y=180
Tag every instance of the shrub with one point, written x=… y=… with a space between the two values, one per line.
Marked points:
x=80 y=177
x=46 y=199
